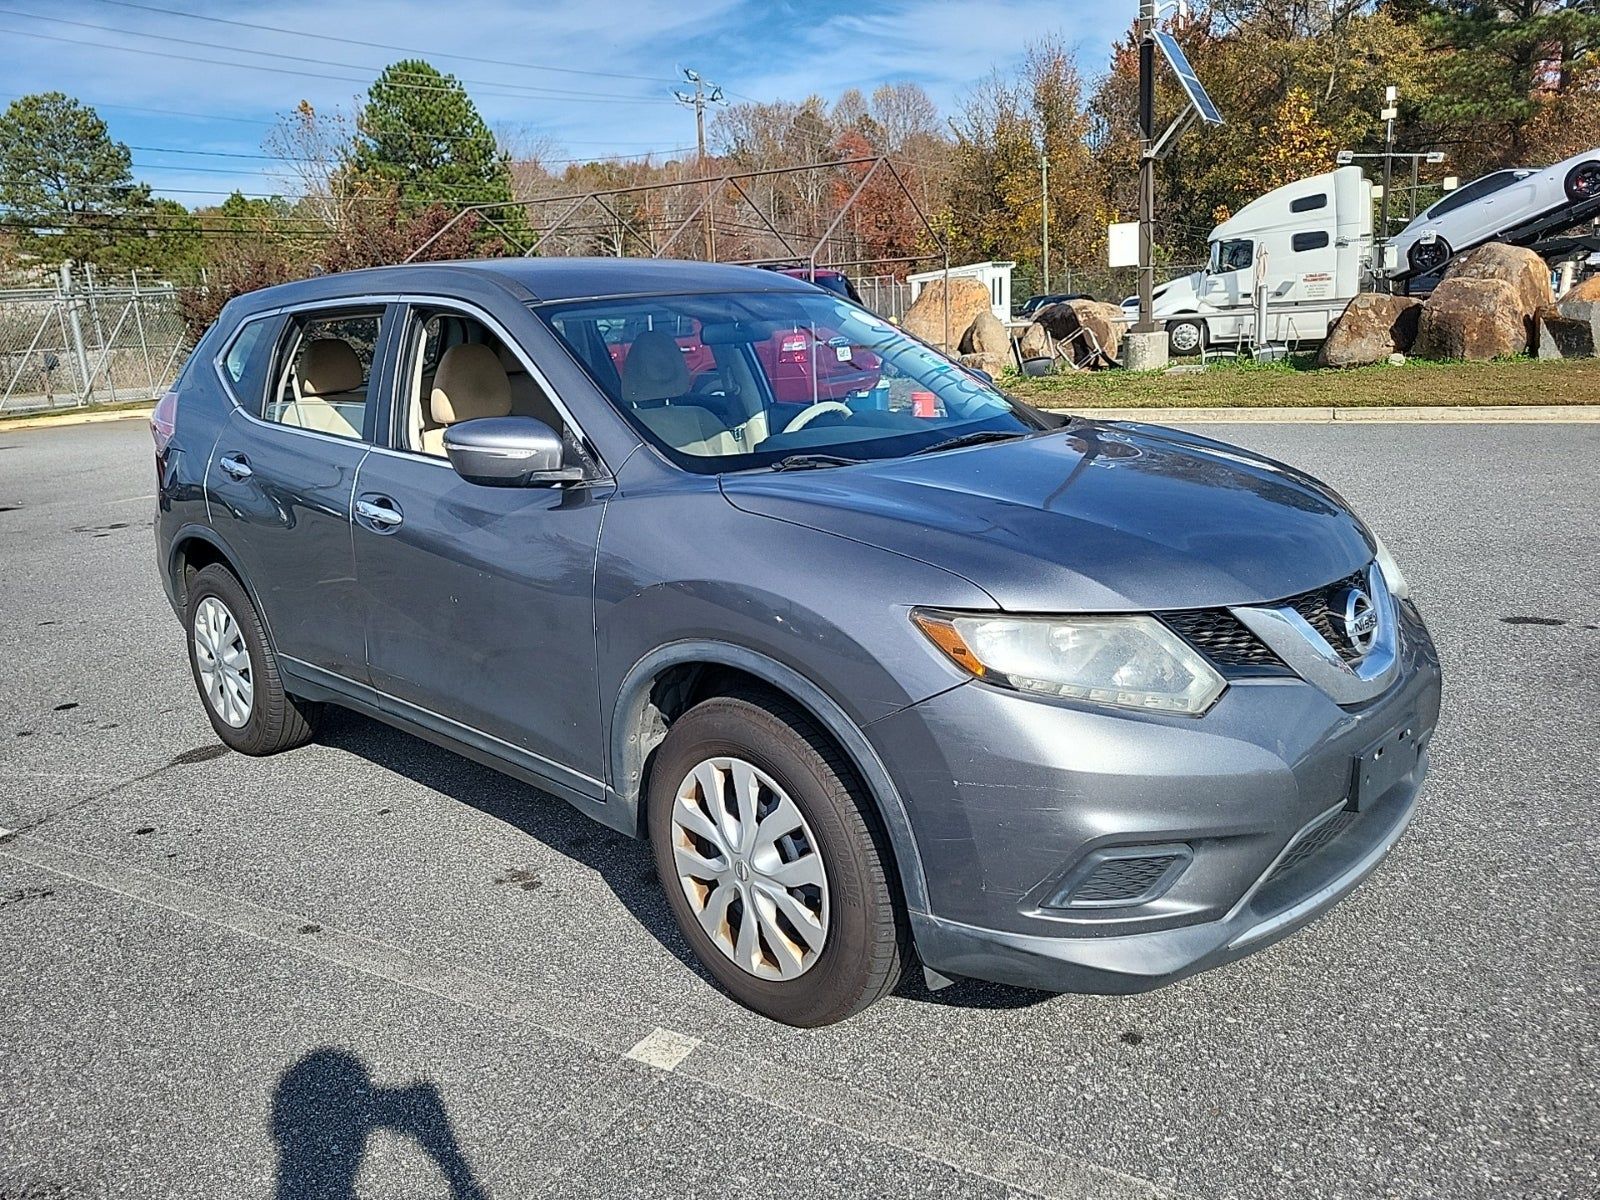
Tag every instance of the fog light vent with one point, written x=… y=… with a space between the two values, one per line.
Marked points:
x=1121 y=876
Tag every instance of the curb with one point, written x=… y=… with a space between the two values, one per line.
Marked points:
x=54 y=420
x=1469 y=414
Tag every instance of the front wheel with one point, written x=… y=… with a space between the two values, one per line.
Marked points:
x=1186 y=338
x=1428 y=257
x=768 y=852
x=236 y=670
x=1583 y=182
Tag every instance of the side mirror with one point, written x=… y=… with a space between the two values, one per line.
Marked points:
x=508 y=452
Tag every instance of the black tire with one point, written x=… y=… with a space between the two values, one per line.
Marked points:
x=1428 y=257
x=277 y=721
x=867 y=942
x=1186 y=338
x=1583 y=182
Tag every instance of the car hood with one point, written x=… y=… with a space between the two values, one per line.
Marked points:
x=1093 y=518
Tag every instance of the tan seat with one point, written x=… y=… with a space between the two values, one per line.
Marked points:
x=469 y=384
x=654 y=371
x=329 y=373
x=527 y=397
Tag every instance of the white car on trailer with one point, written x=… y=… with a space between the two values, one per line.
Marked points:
x=1500 y=205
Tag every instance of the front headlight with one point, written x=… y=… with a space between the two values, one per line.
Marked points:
x=1131 y=662
x=1398 y=587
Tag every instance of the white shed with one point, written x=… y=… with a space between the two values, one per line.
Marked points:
x=996 y=276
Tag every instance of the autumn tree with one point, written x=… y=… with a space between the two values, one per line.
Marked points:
x=1007 y=127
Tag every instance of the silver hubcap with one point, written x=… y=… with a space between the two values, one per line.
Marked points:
x=1185 y=337
x=224 y=662
x=749 y=866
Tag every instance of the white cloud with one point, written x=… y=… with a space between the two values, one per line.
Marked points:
x=762 y=50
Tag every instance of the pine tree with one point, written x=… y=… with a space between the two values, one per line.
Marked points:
x=64 y=183
x=420 y=137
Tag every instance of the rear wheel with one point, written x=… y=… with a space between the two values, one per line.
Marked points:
x=1186 y=338
x=236 y=671
x=1583 y=182
x=769 y=855
x=1428 y=257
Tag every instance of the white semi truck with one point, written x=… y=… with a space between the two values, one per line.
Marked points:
x=1309 y=243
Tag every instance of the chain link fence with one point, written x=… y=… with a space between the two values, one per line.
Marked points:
x=86 y=341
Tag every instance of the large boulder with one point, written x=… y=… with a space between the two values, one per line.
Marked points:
x=1570 y=328
x=1525 y=271
x=926 y=318
x=1035 y=342
x=1472 y=319
x=1081 y=327
x=1372 y=327
x=986 y=335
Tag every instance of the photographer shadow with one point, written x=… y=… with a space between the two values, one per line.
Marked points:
x=326 y=1108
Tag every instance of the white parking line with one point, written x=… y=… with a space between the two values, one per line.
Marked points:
x=663 y=1048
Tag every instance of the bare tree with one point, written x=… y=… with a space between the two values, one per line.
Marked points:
x=314 y=148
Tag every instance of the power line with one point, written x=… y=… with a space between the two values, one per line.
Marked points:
x=324 y=62
x=198 y=116
x=293 y=159
x=594 y=98
x=328 y=37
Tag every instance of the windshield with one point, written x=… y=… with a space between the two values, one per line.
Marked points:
x=735 y=381
x=1234 y=255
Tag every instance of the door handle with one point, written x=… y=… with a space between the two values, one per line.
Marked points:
x=379 y=512
x=236 y=465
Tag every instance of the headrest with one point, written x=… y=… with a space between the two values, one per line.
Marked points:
x=511 y=362
x=654 y=369
x=327 y=366
x=469 y=383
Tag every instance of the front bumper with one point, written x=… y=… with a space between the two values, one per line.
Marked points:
x=1008 y=796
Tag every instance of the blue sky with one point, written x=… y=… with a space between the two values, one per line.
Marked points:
x=219 y=86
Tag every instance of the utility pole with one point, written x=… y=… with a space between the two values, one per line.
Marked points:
x=1147 y=166
x=1044 y=220
x=698 y=100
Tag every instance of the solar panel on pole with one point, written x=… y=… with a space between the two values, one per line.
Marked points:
x=1192 y=87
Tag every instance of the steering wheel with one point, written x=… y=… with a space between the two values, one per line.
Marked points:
x=813 y=411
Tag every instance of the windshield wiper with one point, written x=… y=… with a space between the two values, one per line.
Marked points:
x=973 y=439
x=813 y=462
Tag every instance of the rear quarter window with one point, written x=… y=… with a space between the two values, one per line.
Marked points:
x=246 y=360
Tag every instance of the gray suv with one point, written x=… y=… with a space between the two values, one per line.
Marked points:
x=883 y=663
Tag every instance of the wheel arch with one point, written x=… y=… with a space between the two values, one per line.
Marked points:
x=670 y=679
x=194 y=548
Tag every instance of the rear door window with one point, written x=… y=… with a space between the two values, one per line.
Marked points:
x=324 y=373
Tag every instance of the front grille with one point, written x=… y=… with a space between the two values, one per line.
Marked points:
x=1323 y=610
x=1312 y=844
x=1221 y=637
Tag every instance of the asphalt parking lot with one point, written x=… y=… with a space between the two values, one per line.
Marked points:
x=371 y=968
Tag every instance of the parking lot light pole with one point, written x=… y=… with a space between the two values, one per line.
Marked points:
x=1390 y=111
